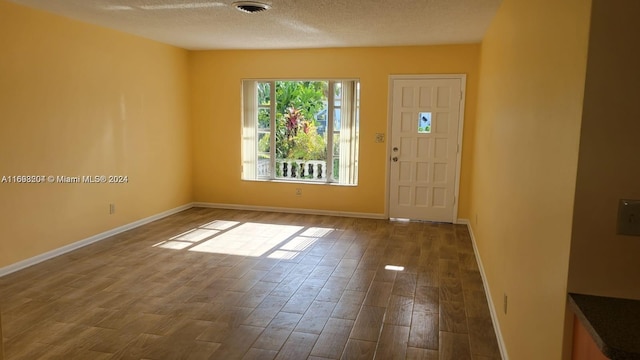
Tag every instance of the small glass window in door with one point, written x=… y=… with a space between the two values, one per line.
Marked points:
x=424 y=123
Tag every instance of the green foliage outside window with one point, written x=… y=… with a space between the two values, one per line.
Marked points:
x=297 y=103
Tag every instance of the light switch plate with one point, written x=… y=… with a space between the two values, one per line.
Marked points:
x=629 y=217
x=379 y=137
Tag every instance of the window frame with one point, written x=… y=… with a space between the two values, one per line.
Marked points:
x=348 y=150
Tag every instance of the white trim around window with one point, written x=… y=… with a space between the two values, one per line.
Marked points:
x=301 y=130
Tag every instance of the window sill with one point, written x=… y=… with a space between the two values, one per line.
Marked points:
x=305 y=182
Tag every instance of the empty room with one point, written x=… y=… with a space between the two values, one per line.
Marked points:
x=411 y=179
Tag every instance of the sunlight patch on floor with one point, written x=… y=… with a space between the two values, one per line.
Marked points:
x=394 y=267
x=283 y=255
x=299 y=243
x=247 y=239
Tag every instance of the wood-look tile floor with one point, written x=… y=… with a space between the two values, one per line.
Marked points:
x=227 y=284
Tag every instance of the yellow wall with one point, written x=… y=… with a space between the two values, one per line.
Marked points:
x=533 y=63
x=76 y=99
x=603 y=263
x=216 y=84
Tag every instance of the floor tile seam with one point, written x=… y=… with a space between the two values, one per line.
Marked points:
x=291 y=296
x=466 y=311
x=29 y=328
x=384 y=316
x=325 y=324
x=254 y=340
x=493 y=331
x=357 y=316
x=293 y=292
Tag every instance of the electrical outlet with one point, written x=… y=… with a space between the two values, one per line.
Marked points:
x=112 y=209
x=629 y=217
x=504 y=303
x=298 y=191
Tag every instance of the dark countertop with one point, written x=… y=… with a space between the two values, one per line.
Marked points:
x=613 y=323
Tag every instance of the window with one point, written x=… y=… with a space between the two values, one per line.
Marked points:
x=424 y=123
x=301 y=130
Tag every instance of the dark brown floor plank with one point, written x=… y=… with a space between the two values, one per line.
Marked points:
x=453 y=317
x=298 y=346
x=454 y=346
x=424 y=330
x=359 y=350
x=421 y=354
x=483 y=338
x=399 y=311
x=333 y=339
x=368 y=323
x=393 y=342
x=314 y=320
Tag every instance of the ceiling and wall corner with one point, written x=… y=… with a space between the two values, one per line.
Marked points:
x=289 y=24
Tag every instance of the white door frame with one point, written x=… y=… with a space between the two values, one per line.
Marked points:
x=463 y=79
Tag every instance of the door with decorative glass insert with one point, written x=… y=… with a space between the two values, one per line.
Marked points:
x=425 y=121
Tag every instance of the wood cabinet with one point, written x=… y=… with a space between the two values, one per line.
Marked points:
x=584 y=347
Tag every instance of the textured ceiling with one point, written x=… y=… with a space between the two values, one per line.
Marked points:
x=216 y=24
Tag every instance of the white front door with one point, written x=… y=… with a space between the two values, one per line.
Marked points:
x=425 y=121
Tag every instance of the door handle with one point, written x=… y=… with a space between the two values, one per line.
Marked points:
x=395 y=159
x=395 y=149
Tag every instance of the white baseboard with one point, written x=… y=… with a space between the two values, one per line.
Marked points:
x=90 y=240
x=290 y=210
x=492 y=308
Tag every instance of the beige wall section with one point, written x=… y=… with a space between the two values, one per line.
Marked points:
x=533 y=64
x=216 y=82
x=603 y=263
x=75 y=100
